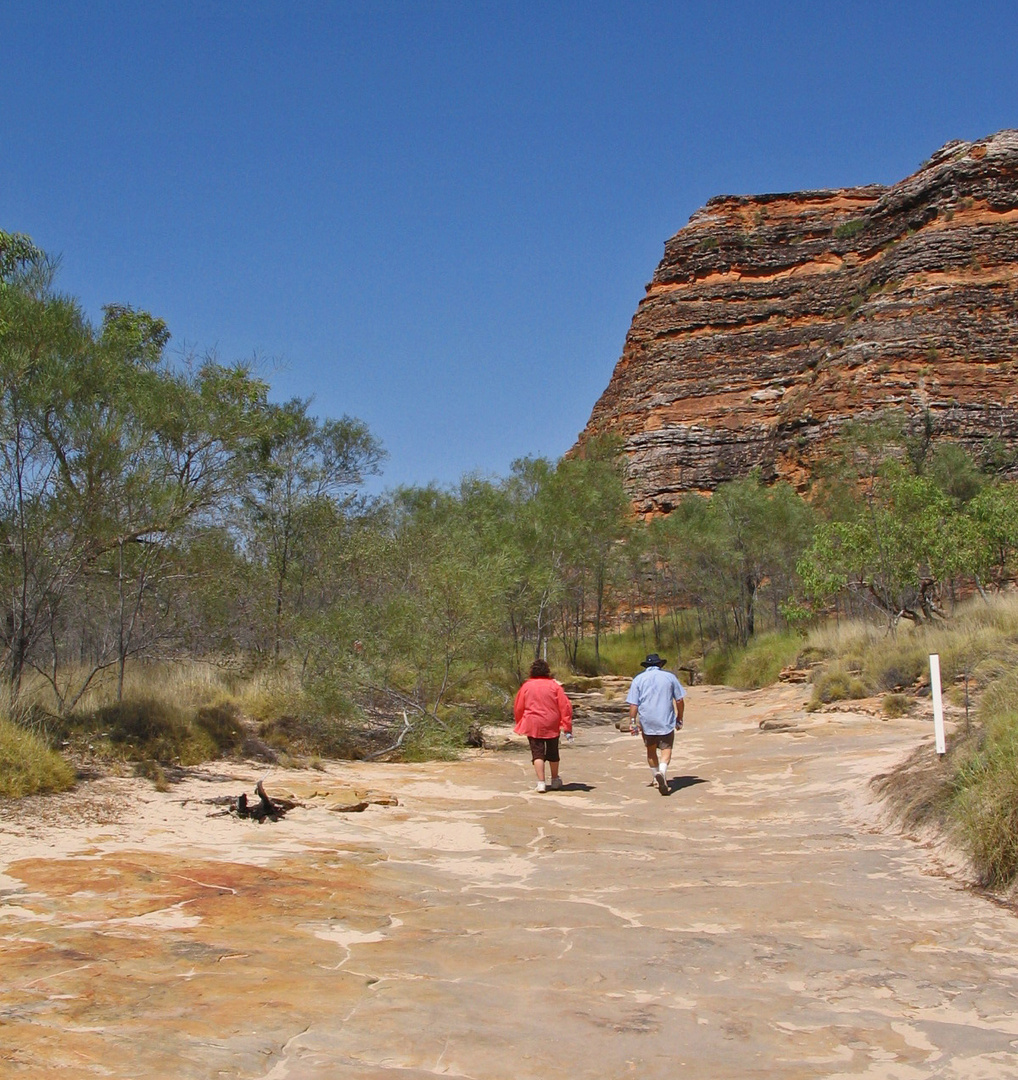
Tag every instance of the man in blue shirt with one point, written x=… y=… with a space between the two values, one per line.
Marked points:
x=657 y=697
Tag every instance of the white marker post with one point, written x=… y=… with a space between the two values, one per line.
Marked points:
x=938 y=705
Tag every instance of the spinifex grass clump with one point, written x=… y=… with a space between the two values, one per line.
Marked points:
x=986 y=803
x=837 y=683
x=150 y=729
x=895 y=705
x=28 y=766
x=309 y=734
x=972 y=794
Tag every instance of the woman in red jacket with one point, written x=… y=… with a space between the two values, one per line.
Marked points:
x=542 y=710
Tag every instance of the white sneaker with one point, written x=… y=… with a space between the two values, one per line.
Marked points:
x=556 y=784
x=541 y=786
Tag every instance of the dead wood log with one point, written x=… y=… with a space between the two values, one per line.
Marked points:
x=267 y=809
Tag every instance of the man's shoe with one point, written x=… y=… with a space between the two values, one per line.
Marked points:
x=541 y=786
x=556 y=784
x=662 y=783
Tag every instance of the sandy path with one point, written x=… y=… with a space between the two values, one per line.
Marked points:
x=758 y=922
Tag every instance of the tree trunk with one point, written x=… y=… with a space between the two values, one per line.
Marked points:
x=121 y=651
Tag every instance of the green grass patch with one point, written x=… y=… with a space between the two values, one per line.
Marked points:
x=28 y=766
x=849 y=229
x=620 y=654
x=758 y=664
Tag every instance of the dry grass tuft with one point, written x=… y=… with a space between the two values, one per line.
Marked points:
x=895 y=705
x=28 y=766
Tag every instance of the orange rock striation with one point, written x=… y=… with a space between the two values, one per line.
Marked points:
x=772 y=320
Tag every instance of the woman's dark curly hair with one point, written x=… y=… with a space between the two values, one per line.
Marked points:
x=539 y=670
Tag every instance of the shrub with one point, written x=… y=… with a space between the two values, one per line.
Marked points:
x=28 y=766
x=715 y=667
x=757 y=664
x=621 y=653
x=145 y=729
x=837 y=684
x=895 y=705
x=973 y=793
x=849 y=229
x=761 y=662
x=311 y=735
x=223 y=725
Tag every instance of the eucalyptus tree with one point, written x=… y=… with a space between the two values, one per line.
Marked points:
x=532 y=533
x=110 y=454
x=905 y=539
x=593 y=516
x=994 y=512
x=436 y=616
x=299 y=472
x=42 y=337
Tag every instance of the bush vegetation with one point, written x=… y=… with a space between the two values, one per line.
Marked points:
x=753 y=665
x=189 y=565
x=849 y=229
x=972 y=794
x=27 y=764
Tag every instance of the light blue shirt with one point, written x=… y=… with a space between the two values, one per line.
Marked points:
x=652 y=692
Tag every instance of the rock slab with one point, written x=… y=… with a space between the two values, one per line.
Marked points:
x=758 y=922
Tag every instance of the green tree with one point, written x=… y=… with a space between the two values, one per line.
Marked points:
x=299 y=472
x=904 y=541
x=994 y=515
x=109 y=454
x=17 y=255
x=437 y=616
x=43 y=337
x=592 y=514
x=731 y=552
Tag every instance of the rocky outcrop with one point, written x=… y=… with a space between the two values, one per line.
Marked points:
x=772 y=320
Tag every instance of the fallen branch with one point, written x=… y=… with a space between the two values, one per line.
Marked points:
x=407 y=727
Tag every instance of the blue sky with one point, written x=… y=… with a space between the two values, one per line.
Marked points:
x=440 y=217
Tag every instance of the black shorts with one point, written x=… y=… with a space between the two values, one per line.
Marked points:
x=543 y=749
x=664 y=741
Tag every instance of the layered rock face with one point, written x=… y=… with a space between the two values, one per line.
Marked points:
x=773 y=320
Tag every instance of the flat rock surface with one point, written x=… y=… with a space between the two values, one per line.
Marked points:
x=760 y=921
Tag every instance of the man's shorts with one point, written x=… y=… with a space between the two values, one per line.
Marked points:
x=543 y=749
x=666 y=742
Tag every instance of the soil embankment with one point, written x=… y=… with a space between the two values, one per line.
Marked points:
x=757 y=922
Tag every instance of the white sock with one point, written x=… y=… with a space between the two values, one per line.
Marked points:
x=664 y=768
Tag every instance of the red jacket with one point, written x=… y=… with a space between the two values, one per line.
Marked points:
x=542 y=709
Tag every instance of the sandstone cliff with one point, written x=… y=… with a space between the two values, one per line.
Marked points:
x=773 y=319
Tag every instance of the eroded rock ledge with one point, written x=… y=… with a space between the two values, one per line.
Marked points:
x=774 y=319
